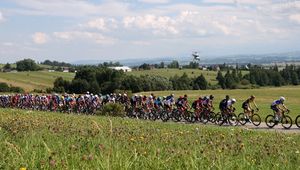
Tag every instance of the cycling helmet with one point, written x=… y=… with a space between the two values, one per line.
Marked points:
x=211 y=97
x=233 y=100
x=227 y=97
x=252 y=97
x=282 y=99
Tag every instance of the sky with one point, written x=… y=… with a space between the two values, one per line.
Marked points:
x=74 y=30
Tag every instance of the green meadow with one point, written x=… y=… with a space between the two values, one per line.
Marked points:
x=43 y=140
x=33 y=80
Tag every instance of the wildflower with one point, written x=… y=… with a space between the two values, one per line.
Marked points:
x=91 y=157
x=52 y=162
x=22 y=168
x=297 y=152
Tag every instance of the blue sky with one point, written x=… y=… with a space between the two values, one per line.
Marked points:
x=72 y=30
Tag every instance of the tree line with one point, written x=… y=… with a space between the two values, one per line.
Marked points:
x=259 y=76
x=105 y=80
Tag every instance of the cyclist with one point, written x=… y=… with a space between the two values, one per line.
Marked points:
x=223 y=104
x=169 y=102
x=208 y=102
x=276 y=107
x=248 y=108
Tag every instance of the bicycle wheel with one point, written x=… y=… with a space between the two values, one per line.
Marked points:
x=297 y=121
x=212 y=116
x=286 y=122
x=176 y=117
x=164 y=116
x=204 y=117
x=256 y=120
x=270 y=121
x=153 y=115
x=218 y=118
x=232 y=119
x=188 y=116
x=242 y=119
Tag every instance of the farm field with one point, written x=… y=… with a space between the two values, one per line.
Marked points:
x=33 y=80
x=40 y=140
x=209 y=75
x=264 y=97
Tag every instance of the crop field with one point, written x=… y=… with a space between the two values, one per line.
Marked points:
x=264 y=97
x=33 y=80
x=40 y=140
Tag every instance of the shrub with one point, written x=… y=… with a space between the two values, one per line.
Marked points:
x=4 y=87
x=16 y=89
x=112 y=109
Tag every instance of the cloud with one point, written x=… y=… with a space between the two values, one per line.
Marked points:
x=40 y=38
x=102 y=24
x=71 y=8
x=295 y=18
x=155 y=1
x=1 y=17
x=96 y=37
x=158 y=24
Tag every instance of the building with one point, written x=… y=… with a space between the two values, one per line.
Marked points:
x=123 y=68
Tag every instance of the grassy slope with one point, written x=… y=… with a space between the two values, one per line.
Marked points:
x=209 y=75
x=264 y=97
x=38 y=140
x=33 y=80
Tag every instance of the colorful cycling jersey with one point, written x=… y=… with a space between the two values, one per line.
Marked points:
x=206 y=101
x=229 y=103
x=276 y=103
x=169 y=101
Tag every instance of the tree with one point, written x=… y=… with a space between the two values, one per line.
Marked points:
x=61 y=85
x=230 y=83
x=221 y=80
x=27 y=65
x=7 y=66
x=145 y=66
x=295 y=79
x=162 y=65
x=193 y=65
x=79 y=86
x=173 y=64
x=200 y=83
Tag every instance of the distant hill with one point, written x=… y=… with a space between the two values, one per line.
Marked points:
x=249 y=58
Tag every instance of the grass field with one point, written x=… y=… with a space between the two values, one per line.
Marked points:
x=33 y=80
x=264 y=97
x=209 y=75
x=38 y=140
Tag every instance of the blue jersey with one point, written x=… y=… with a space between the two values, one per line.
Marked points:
x=276 y=103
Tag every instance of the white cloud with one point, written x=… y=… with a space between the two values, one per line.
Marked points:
x=102 y=24
x=295 y=18
x=1 y=17
x=158 y=24
x=96 y=37
x=40 y=38
x=155 y=1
